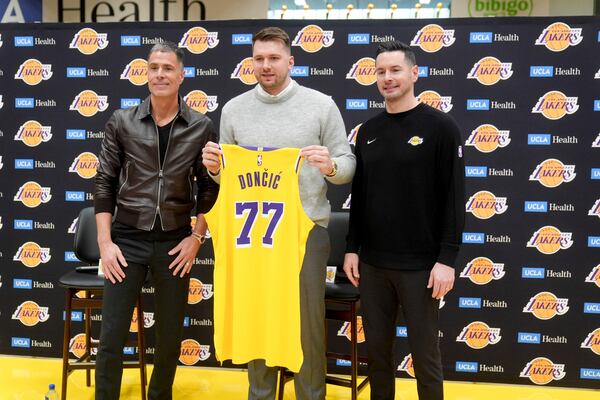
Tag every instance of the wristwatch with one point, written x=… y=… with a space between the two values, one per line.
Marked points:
x=200 y=238
x=333 y=169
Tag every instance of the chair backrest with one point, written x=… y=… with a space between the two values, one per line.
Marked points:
x=338 y=229
x=85 y=244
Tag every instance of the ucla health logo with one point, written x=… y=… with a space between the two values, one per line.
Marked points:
x=482 y=270
x=32 y=133
x=312 y=38
x=432 y=38
x=31 y=254
x=244 y=71
x=88 y=41
x=594 y=276
x=489 y=71
x=199 y=291
x=30 y=313
x=363 y=71
x=201 y=102
x=545 y=305
x=549 y=240
x=555 y=105
x=353 y=135
x=592 y=342
x=559 y=36
x=197 y=40
x=485 y=205
x=487 y=138
x=31 y=194
x=542 y=371
x=478 y=335
x=136 y=72
x=435 y=100
x=552 y=173
x=85 y=165
x=88 y=103
x=407 y=365
x=595 y=210
x=32 y=72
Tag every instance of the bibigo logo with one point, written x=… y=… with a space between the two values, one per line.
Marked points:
x=199 y=291
x=88 y=103
x=485 y=205
x=552 y=173
x=30 y=254
x=363 y=71
x=148 y=320
x=32 y=72
x=31 y=194
x=482 y=270
x=85 y=165
x=555 y=105
x=435 y=100
x=312 y=38
x=432 y=38
x=345 y=330
x=592 y=342
x=478 y=335
x=88 y=41
x=559 y=36
x=244 y=71
x=546 y=305
x=541 y=371
x=197 y=40
x=201 y=102
x=407 y=365
x=549 y=240
x=489 y=71
x=32 y=133
x=192 y=352
x=136 y=72
x=78 y=348
x=594 y=276
x=30 y=313
x=353 y=135
x=487 y=138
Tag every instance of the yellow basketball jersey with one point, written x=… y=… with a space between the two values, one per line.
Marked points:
x=259 y=231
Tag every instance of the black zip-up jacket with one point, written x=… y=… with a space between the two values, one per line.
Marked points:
x=131 y=177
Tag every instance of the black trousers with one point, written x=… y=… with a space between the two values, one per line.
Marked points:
x=170 y=298
x=382 y=291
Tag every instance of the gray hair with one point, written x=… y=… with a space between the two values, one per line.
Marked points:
x=168 y=47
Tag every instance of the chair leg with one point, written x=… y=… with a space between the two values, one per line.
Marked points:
x=141 y=345
x=88 y=341
x=66 y=339
x=354 y=351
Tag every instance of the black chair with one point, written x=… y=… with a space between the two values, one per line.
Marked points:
x=84 y=291
x=342 y=301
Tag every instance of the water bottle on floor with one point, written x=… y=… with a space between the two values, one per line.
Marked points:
x=51 y=393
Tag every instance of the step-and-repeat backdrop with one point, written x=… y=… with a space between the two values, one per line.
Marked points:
x=526 y=92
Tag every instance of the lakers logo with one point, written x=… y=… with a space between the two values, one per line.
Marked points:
x=485 y=205
x=595 y=143
x=363 y=71
x=199 y=291
x=478 y=335
x=73 y=226
x=312 y=38
x=148 y=320
x=201 y=102
x=30 y=313
x=32 y=72
x=594 y=276
x=197 y=40
x=77 y=345
x=597 y=76
x=407 y=366
x=489 y=71
x=555 y=105
x=85 y=165
x=30 y=254
x=88 y=41
x=432 y=38
x=592 y=342
x=136 y=72
x=482 y=270
x=31 y=194
x=549 y=240
x=559 y=36
x=244 y=71
x=552 y=173
x=546 y=305
x=32 y=133
x=541 y=371
x=595 y=210
x=353 y=135
x=88 y=103
x=435 y=100
x=192 y=352
x=345 y=330
x=415 y=141
x=487 y=138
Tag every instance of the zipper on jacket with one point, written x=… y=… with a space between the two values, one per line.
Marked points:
x=126 y=176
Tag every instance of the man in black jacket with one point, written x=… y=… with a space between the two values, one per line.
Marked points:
x=149 y=158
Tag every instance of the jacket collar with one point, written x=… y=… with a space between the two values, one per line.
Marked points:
x=143 y=110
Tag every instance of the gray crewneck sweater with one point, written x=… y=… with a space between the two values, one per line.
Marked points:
x=298 y=117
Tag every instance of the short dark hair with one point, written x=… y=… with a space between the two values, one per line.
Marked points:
x=396 y=45
x=168 y=47
x=271 y=33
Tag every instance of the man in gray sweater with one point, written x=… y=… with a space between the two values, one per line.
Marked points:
x=280 y=113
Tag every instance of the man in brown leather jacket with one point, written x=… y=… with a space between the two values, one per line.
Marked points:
x=149 y=158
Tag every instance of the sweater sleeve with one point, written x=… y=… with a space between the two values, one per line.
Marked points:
x=353 y=239
x=225 y=136
x=333 y=136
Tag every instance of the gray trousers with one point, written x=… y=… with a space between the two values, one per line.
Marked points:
x=309 y=383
